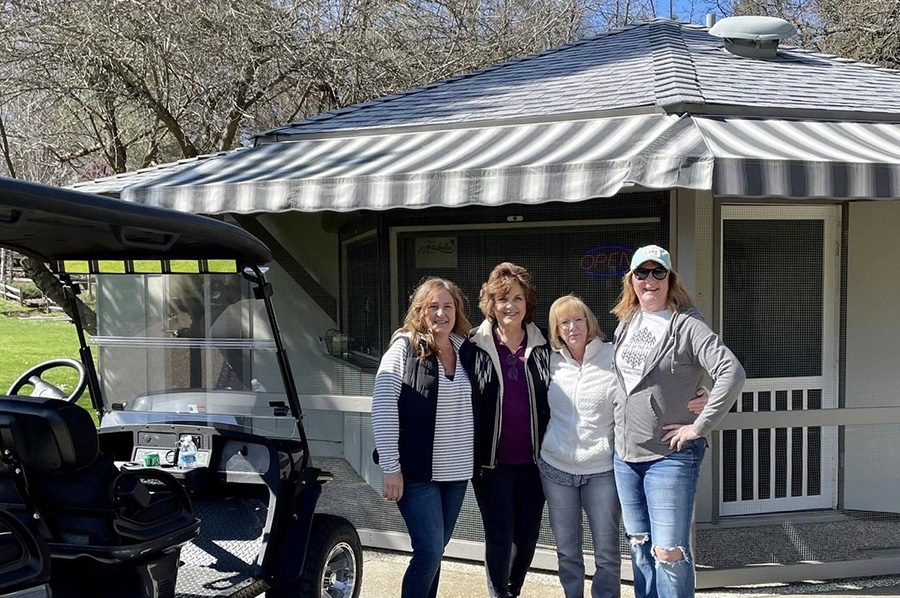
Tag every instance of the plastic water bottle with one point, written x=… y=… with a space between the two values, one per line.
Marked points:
x=187 y=453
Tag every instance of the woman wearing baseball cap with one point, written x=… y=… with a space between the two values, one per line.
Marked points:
x=663 y=350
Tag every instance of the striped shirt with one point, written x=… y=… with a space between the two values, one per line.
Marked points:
x=454 y=428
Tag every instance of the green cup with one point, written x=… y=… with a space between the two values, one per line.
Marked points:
x=151 y=460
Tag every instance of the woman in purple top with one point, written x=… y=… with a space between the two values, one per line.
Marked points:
x=512 y=359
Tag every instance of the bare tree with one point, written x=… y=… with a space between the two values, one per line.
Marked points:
x=617 y=13
x=160 y=80
x=94 y=87
x=4 y=147
x=801 y=13
x=125 y=84
x=867 y=30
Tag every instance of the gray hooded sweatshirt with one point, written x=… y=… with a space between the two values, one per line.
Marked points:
x=673 y=373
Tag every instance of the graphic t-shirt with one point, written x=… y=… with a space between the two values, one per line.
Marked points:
x=645 y=332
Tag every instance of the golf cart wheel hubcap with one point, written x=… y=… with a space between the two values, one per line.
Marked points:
x=339 y=576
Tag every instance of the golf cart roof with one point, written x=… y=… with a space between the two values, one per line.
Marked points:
x=59 y=224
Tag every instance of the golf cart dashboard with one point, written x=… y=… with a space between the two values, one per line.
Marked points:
x=221 y=455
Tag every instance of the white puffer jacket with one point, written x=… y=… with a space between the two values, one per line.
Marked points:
x=579 y=438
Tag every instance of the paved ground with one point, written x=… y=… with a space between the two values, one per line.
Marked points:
x=384 y=570
x=796 y=539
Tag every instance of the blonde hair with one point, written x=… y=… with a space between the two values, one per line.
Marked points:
x=569 y=303
x=677 y=300
x=422 y=340
x=502 y=277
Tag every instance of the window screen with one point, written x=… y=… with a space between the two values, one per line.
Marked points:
x=772 y=295
x=363 y=315
x=585 y=259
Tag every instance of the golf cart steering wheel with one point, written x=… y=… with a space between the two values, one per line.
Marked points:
x=44 y=389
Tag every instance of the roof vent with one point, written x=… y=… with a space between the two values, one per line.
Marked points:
x=753 y=37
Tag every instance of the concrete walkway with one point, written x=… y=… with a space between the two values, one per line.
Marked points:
x=383 y=572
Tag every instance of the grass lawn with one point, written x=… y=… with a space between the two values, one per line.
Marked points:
x=152 y=266
x=27 y=343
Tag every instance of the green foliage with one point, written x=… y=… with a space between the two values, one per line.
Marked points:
x=29 y=290
x=11 y=308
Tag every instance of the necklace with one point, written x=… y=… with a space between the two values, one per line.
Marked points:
x=519 y=336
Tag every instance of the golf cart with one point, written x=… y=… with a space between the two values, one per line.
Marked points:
x=198 y=481
x=24 y=561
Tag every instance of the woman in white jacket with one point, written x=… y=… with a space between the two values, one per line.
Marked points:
x=576 y=460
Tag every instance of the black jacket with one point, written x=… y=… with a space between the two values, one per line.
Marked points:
x=487 y=384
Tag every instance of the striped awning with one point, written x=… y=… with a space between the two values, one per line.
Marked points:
x=533 y=163
x=800 y=159
x=537 y=163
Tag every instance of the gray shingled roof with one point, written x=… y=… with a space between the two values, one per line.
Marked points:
x=657 y=66
x=797 y=79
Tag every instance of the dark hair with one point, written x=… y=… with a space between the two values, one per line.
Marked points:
x=502 y=277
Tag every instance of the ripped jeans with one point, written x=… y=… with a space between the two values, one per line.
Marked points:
x=657 y=510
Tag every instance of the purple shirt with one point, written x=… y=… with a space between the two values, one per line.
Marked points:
x=514 y=446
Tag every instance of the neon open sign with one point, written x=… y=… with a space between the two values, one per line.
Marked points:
x=606 y=260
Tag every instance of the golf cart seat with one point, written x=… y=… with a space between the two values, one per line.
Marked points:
x=103 y=527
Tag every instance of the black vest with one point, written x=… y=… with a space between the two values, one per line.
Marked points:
x=417 y=410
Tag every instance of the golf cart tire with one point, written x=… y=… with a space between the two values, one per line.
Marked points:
x=334 y=549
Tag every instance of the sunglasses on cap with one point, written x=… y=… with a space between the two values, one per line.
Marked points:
x=659 y=273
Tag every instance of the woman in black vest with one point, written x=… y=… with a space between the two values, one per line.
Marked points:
x=422 y=417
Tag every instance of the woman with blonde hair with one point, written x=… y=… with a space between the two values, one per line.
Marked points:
x=511 y=376
x=663 y=349
x=422 y=418
x=576 y=456
x=577 y=453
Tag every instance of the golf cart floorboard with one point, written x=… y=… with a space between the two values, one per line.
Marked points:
x=231 y=534
x=221 y=560
x=203 y=582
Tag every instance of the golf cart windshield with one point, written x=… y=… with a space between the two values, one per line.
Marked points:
x=188 y=348
x=173 y=345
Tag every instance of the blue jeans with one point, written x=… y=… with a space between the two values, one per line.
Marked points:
x=430 y=510
x=657 y=509
x=566 y=496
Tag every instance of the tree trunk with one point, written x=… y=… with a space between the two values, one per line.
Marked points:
x=7 y=155
x=50 y=286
